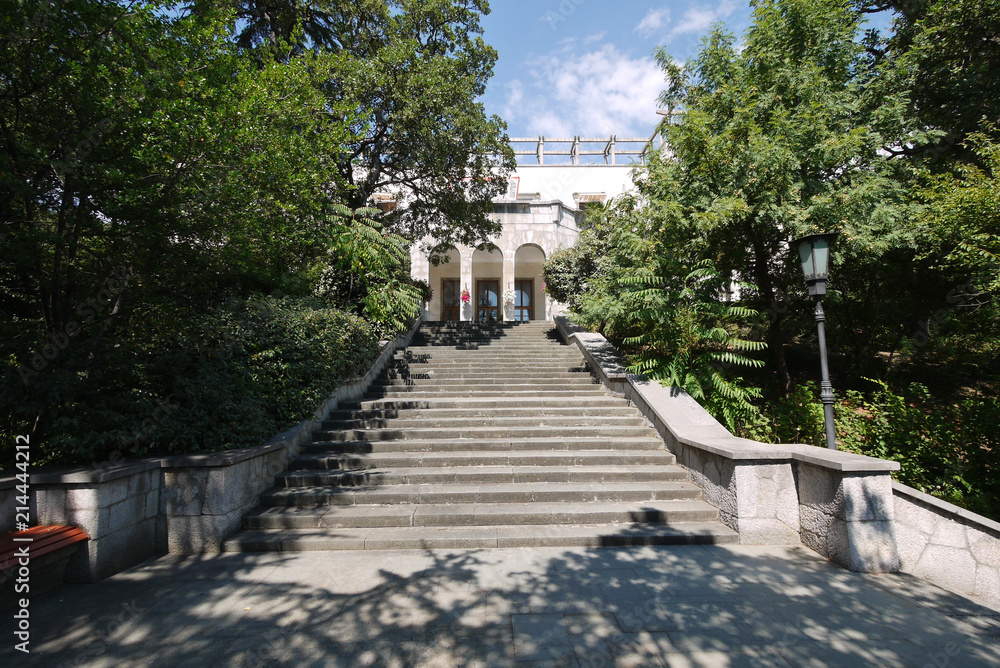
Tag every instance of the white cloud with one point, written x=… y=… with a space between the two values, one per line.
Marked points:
x=698 y=19
x=654 y=20
x=590 y=39
x=601 y=92
x=513 y=97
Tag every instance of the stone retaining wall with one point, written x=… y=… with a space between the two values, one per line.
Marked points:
x=837 y=503
x=943 y=543
x=184 y=503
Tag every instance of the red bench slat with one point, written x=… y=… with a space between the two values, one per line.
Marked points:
x=45 y=539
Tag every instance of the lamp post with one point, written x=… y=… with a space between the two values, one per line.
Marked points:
x=814 y=254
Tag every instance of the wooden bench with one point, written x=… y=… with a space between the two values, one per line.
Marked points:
x=49 y=552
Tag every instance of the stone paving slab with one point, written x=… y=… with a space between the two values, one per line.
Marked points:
x=703 y=606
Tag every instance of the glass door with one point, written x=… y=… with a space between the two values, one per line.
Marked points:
x=451 y=300
x=488 y=300
x=523 y=310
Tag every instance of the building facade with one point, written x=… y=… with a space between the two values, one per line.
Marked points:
x=542 y=212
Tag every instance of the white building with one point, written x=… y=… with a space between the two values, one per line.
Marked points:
x=541 y=213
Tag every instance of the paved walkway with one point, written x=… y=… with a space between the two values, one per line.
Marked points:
x=669 y=606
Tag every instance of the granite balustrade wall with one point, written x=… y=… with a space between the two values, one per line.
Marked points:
x=842 y=505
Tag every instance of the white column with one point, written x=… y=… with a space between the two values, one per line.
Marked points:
x=507 y=277
x=466 y=281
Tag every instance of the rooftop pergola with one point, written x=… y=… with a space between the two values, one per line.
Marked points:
x=609 y=147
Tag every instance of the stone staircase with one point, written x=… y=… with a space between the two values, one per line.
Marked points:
x=482 y=436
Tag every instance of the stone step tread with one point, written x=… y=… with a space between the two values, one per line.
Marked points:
x=480 y=474
x=474 y=432
x=482 y=493
x=453 y=356
x=498 y=385
x=596 y=401
x=419 y=393
x=497 y=458
x=451 y=445
x=481 y=514
x=537 y=412
x=572 y=535
x=484 y=421
x=489 y=381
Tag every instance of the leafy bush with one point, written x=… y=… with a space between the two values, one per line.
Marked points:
x=179 y=382
x=368 y=271
x=691 y=340
x=949 y=450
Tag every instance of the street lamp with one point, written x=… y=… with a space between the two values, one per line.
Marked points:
x=814 y=254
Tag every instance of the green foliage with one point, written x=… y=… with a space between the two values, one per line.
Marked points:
x=945 y=55
x=369 y=267
x=567 y=271
x=779 y=139
x=690 y=340
x=412 y=72
x=179 y=381
x=798 y=418
x=962 y=217
x=948 y=450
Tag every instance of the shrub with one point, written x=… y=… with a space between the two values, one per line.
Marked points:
x=180 y=382
x=949 y=450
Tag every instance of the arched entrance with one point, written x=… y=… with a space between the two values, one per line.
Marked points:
x=445 y=276
x=529 y=299
x=487 y=272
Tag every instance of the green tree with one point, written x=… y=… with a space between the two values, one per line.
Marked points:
x=412 y=73
x=779 y=139
x=145 y=167
x=368 y=267
x=945 y=56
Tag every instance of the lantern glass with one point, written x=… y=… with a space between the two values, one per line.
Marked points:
x=814 y=254
x=806 y=258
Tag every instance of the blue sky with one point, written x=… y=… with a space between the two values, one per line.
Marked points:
x=586 y=67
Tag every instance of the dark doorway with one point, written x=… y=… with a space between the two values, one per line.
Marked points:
x=488 y=300
x=523 y=309
x=451 y=300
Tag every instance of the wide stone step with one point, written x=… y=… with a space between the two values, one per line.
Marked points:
x=478 y=475
x=482 y=444
x=558 y=355
x=427 y=392
x=487 y=383
x=480 y=514
x=501 y=421
x=399 y=538
x=479 y=458
x=551 y=353
x=504 y=402
x=476 y=373
x=570 y=492
x=471 y=432
x=533 y=414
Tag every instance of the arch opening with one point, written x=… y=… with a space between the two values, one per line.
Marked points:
x=529 y=296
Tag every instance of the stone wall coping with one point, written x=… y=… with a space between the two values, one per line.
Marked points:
x=83 y=475
x=692 y=425
x=224 y=458
x=946 y=508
